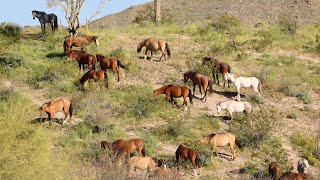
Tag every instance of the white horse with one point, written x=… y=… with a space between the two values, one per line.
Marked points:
x=240 y=82
x=303 y=166
x=234 y=106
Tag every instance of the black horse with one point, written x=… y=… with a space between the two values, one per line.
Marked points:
x=46 y=18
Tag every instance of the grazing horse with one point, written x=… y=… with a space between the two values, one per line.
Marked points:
x=188 y=153
x=202 y=81
x=83 y=58
x=274 y=170
x=110 y=63
x=221 y=140
x=154 y=44
x=126 y=146
x=78 y=41
x=144 y=163
x=175 y=91
x=220 y=67
x=46 y=18
x=50 y=108
x=246 y=82
x=234 y=106
x=99 y=76
x=293 y=176
x=303 y=166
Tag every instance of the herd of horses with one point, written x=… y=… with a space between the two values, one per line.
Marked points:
x=123 y=148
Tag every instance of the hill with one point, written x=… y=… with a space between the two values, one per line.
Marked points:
x=248 y=11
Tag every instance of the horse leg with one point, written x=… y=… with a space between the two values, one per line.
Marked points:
x=44 y=28
x=194 y=89
x=185 y=102
x=217 y=77
x=151 y=56
x=255 y=88
x=118 y=75
x=200 y=90
x=238 y=95
x=145 y=55
x=52 y=27
x=230 y=112
x=233 y=156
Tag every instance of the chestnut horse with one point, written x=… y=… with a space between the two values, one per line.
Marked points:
x=110 y=63
x=78 y=41
x=83 y=58
x=221 y=140
x=202 y=81
x=274 y=170
x=188 y=153
x=99 y=76
x=50 y=108
x=220 y=67
x=126 y=146
x=293 y=176
x=154 y=44
x=176 y=91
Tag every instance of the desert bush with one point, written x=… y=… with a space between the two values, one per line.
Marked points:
x=9 y=61
x=293 y=91
x=226 y=22
x=288 y=24
x=256 y=99
x=147 y=15
x=292 y=115
x=263 y=122
x=10 y=30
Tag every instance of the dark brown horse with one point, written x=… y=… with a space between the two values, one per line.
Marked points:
x=78 y=41
x=99 y=76
x=154 y=44
x=110 y=63
x=83 y=58
x=200 y=80
x=218 y=67
x=126 y=146
x=293 y=176
x=274 y=170
x=175 y=91
x=188 y=153
x=50 y=108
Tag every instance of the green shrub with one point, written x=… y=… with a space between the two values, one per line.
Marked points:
x=147 y=15
x=11 y=30
x=226 y=22
x=256 y=99
x=288 y=24
x=304 y=97
x=292 y=115
x=10 y=61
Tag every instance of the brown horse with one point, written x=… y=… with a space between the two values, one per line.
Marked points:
x=220 y=67
x=50 y=108
x=83 y=58
x=154 y=44
x=110 y=63
x=293 y=176
x=188 y=153
x=176 y=91
x=78 y=41
x=99 y=76
x=274 y=170
x=221 y=140
x=126 y=146
x=200 y=80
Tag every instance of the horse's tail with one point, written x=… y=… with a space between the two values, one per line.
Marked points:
x=229 y=69
x=56 y=23
x=260 y=91
x=238 y=144
x=121 y=65
x=210 y=86
x=274 y=173
x=70 y=110
x=168 y=49
x=143 y=151
x=190 y=96
x=197 y=160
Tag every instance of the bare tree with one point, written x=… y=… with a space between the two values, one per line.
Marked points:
x=157 y=9
x=72 y=9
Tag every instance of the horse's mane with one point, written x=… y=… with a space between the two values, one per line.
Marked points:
x=212 y=135
x=40 y=12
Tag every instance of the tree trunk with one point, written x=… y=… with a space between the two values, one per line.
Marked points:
x=157 y=9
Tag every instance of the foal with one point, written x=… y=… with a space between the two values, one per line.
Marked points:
x=83 y=58
x=99 y=76
x=202 y=81
x=154 y=44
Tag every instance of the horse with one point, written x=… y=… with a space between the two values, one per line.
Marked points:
x=202 y=81
x=46 y=18
x=144 y=163
x=110 y=63
x=99 y=76
x=126 y=146
x=303 y=166
x=50 y=108
x=176 y=91
x=221 y=140
x=274 y=170
x=234 y=106
x=83 y=58
x=188 y=153
x=219 y=66
x=154 y=44
x=293 y=176
x=246 y=82
x=78 y=41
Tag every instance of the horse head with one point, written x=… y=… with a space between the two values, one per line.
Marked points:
x=219 y=108
x=140 y=46
x=34 y=14
x=160 y=90
x=95 y=39
x=186 y=77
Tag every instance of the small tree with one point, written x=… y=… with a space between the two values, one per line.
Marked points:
x=157 y=10
x=72 y=9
